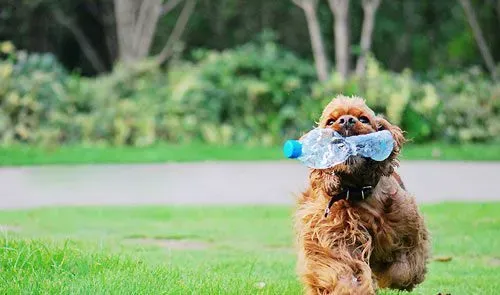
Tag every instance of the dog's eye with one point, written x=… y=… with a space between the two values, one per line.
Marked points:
x=364 y=120
x=330 y=122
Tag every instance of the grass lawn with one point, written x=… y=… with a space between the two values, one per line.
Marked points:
x=25 y=155
x=211 y=250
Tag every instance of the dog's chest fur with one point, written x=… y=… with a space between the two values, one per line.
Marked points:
x=374 y=228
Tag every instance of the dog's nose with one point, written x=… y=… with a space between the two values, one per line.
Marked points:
x=347 y=121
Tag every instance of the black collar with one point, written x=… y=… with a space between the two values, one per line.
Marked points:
x=352 y=194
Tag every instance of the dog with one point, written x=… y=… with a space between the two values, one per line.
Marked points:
x=357 y=227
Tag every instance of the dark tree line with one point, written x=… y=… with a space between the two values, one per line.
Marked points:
x=91 y=35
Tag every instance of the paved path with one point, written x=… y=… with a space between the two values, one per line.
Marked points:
x=221 y=183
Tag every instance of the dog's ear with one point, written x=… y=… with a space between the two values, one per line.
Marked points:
x=397 y=133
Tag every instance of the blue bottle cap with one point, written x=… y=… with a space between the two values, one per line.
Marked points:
x=292 y=149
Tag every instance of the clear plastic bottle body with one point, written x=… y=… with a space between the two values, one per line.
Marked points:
x=377 y=146
x=325 y=148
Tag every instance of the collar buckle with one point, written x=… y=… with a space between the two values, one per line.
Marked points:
x=366 y=189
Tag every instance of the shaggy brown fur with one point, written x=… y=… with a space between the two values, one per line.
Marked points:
x=379 y=242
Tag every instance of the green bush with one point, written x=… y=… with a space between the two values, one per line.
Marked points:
x=42 y=104
x=257 y=93
x=461 y=107
x=251 y=94
x=400 y=97
x=122 y=108
x=31 y=87
x=471 y=107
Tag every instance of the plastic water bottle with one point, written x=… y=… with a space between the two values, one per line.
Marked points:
x=325 y=148
x=320 y=149
x=377 y=146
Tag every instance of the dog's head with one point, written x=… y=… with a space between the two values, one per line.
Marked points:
x=351 y=116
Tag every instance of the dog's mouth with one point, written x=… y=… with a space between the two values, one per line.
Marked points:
x=355 y=161
x=348 y=132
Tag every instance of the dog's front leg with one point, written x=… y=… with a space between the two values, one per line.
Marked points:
x=333 y=271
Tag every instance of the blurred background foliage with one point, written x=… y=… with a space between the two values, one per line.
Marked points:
x=243 y=73
x=425 y=35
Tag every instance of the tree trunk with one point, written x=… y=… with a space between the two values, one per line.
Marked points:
x=340 y=10
x=320 y=58
x=369 y=10
x=125 y=11
x=136 y=23
x=145 y=28
x=179 y=28
x=478 y=35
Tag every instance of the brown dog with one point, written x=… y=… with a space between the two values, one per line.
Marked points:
x=372 y=236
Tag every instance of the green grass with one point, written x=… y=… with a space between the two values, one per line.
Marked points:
x=26 y=155
x=126 y=250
